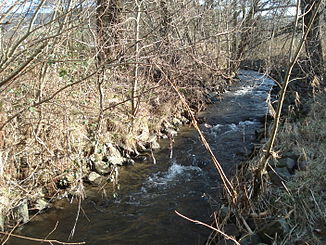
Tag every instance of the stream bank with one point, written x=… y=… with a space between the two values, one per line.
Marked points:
x=291 y=208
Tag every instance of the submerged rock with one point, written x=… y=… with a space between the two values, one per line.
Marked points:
x=260 y=134
x=232 y=230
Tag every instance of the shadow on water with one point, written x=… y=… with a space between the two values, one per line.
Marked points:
x=143 y=211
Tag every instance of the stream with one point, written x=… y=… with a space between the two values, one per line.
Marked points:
x=184 y=180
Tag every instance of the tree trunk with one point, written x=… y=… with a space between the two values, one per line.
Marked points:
x=107 y=34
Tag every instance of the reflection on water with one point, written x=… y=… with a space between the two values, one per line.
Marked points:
x=143 y=210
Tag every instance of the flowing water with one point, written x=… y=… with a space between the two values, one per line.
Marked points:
x=183 y=179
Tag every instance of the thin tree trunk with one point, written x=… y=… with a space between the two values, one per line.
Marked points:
x=107 y=17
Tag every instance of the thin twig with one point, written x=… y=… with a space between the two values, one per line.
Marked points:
x=54 y=228
x=9 y=234
x=72 y=233
x=208 y=226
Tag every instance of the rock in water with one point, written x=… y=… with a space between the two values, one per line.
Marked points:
x=102 y=167
x=176 y=122
x=41 y=204
x=94 y=178
x=21 y=212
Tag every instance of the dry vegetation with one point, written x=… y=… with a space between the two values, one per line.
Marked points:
x=66 y=94
x=304 y=200
x=69 y=89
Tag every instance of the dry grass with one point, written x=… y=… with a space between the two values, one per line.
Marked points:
x=306 y=194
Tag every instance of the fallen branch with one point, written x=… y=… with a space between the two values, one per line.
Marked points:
x=226 y=183
x=41 y=240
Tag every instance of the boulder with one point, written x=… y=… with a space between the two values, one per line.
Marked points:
x=21 y=212
x=268 y=231
x=167 y=125
x=141 y=158
x=94 y=178
x=141 y=147
x=106 y=158
x=112 y=151
x=152 y=142
x=102 y=167
x=184 y=120
x=176 y=122
x=128 y=161
x=116 y=160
